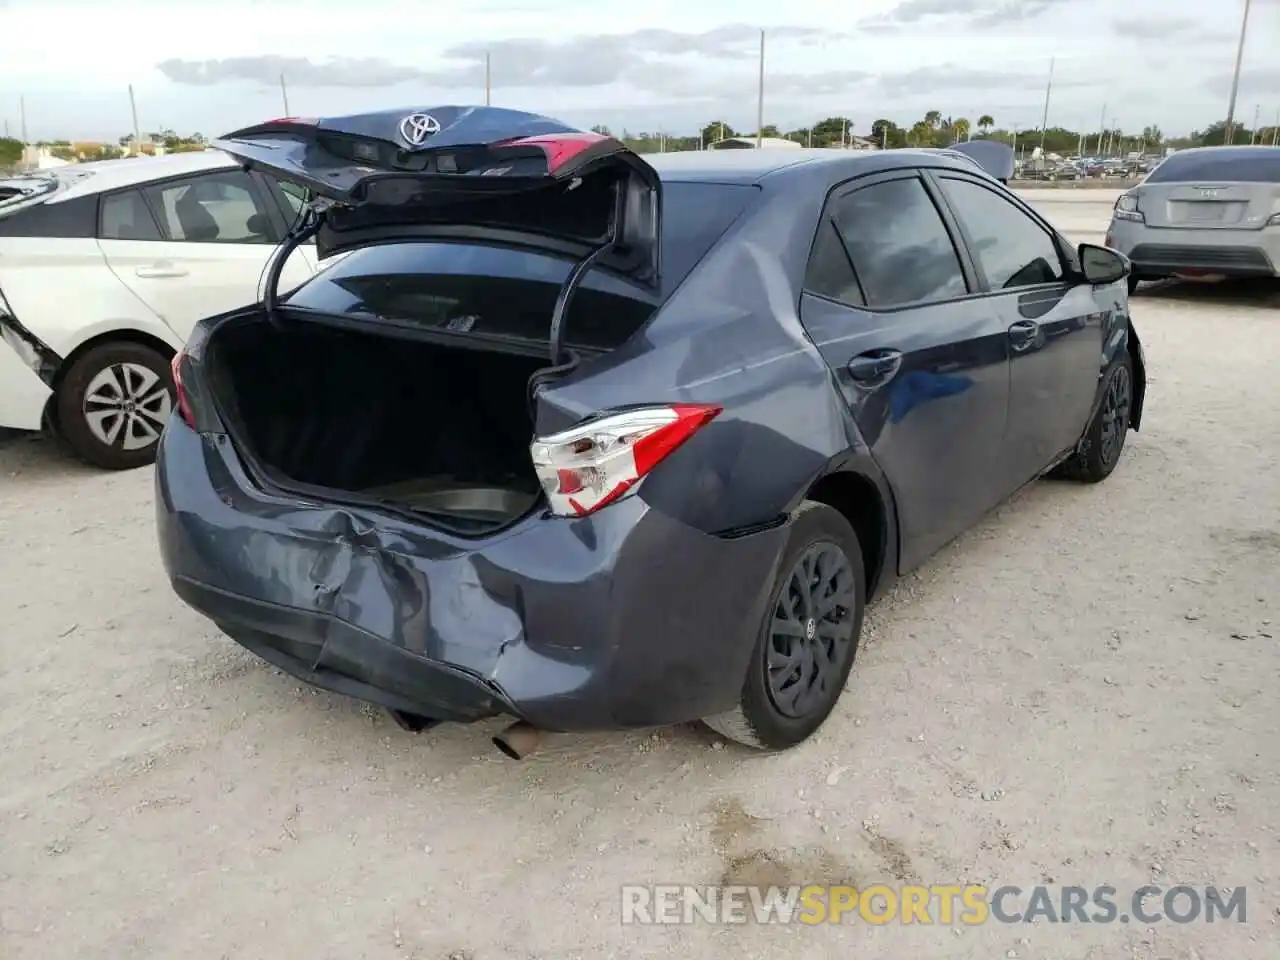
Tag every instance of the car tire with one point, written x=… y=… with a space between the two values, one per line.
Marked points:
x=113 y=403
x=1104 y=439
x=772 y=714
x=1133 y=284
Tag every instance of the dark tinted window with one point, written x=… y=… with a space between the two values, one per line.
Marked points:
x=76 y=218
x=1248 y=165
x=1012 y=249
x=219 y=207
x=125 y=216
x=899 y=245
x=830 y=273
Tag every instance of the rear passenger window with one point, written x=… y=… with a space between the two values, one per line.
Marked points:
x=899 y=246
x=213 y=208
x=830 y=273
x=1013 y=249
x=125 y=216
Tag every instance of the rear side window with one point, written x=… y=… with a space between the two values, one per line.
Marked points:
x=1244 y=165
x=899 y=246
x=67 y=219
x=213 y=208
x=125 y=216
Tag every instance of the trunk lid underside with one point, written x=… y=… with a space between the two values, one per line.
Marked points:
x=435 y=171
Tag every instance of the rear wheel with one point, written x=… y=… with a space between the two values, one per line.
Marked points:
x=1104 y=440
x=1133 y=283
x=806 y=646
x=113 y=404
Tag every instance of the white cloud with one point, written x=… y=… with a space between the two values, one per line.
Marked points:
x=212 y=66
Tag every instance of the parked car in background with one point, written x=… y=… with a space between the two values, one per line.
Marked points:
x=595 y=440
x=1204 y=211
x=104 y=269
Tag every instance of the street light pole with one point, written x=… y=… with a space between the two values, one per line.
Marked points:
x=487 y=79
x=1229 y=130
x=760 y=99
x=1044 y=124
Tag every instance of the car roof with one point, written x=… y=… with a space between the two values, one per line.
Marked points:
x=752 y=166
x=82 y=179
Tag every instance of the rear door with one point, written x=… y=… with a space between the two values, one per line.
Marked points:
x=195 y=246
x=1054 y=323
x=1213 y=189
x=920 y=360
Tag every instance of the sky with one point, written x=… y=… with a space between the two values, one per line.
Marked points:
x=669 y=65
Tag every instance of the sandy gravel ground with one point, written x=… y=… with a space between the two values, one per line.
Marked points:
x=1081 y=690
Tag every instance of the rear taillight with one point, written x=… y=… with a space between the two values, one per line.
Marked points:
x=1127 y=208
x=180 y=393
x=598 y=463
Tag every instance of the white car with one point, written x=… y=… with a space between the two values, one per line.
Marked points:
x=105 y=268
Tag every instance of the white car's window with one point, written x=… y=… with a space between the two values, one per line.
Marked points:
x=216 y=208
x=125 y=216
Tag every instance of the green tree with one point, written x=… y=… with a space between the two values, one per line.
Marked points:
x=960 y=129
x=1215 y=135
x=933 y=119
x=831 y=131
x=599 y=128
x=716 y=130
x=1153 y=135
x=11 y=150
x=888 y=134
x=922 y=134
x=985 y=123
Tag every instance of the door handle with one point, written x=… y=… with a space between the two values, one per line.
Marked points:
x=1023 y=334
x=875 y=367
x=160 y=270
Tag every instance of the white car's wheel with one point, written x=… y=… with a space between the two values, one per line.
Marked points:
x=113 y=404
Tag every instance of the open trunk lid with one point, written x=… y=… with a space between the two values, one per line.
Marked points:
x=991 y=155
x=472 y=172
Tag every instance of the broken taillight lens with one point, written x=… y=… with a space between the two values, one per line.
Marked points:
x=179 y=392
x=598 y=463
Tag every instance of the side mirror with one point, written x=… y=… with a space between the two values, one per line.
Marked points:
x=1102 y=265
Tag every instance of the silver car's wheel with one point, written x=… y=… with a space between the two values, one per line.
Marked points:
x=127 y=405
x=113 y=403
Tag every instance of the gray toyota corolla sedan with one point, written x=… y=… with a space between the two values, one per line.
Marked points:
x=596 y=441
x=1205 y=211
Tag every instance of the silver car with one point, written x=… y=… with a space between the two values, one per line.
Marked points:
x=1206 y=211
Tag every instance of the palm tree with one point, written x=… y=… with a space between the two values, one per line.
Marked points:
x=933 y=119
x=960 y=130
x=986 y=122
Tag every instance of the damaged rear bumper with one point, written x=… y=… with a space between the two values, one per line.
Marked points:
x=623 y=619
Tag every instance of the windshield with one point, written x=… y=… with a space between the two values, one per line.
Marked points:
x=1248 y=165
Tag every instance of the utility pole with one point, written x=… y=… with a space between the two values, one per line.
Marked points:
x=1253 y=134
x=844 y=135
x=488 y=85
x=810 y=143
x=1229 y=130
x=1044 y=124
x=22 y=117
x=284 y=95
x=1275 y=131
x=760 y=99
x=1102 y=126
x=137 y=130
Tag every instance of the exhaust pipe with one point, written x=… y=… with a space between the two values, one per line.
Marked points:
x=519 y=740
